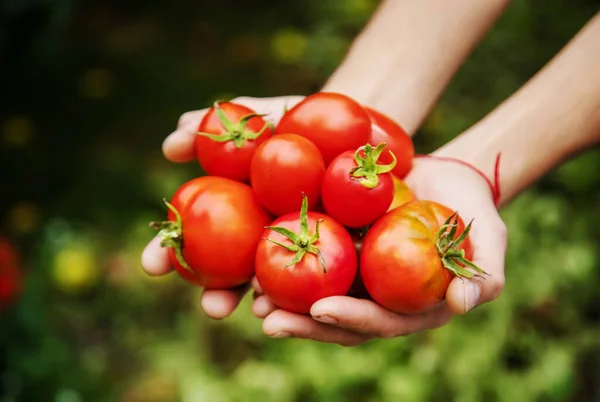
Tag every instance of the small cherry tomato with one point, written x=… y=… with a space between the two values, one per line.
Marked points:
x=226 y=140
x=214 y=226
x=410 y=255
x=296 y=267
x=333 y=122
x=356 y=190
x=384 y=129
x=284 y=167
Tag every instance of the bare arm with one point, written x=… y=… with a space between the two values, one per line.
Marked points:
x=551 y=118
x=408 y=52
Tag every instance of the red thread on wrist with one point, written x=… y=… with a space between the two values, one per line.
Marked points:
x=494 y=186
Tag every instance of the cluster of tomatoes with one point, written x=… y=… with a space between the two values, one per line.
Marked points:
x=315 y=206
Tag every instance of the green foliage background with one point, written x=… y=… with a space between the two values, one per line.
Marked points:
x=91 y=88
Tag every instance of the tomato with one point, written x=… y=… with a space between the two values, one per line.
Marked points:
x=282 y=169
x=384 y=129
x=334 y=122
x=296 y=268
x=400 y=264
x=10 y=273
x=214 y=226
x=356 y=189
x=228 y=136
x=402 y=193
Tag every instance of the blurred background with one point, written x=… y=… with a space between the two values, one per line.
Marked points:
x=90 y=89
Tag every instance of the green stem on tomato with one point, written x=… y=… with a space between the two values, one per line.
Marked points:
x=236 y=132
x=367 y=170
x=171 y=235
x=453 y=258
x=303 y=242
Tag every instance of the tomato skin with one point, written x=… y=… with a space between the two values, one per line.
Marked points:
x=296 y=288
x=400 y=265
x=282 y=169
x=402 y=193
x=224 y=158
x=384 y=129
x=11 y=277
x=350 y=202
x=222 y=225
x=333 y=122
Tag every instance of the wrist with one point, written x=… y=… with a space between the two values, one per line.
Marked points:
x=492 y=181
x=389 y=70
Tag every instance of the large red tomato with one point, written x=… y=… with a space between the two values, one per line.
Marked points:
x=334 y=122
x=214 y=226
x=227 y=137
x=10 y=273
x=284 y=167
x=303 y=258
x=410 y=255
x=356 y=189
x=384 y=129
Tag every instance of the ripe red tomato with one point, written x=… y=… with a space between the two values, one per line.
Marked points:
x=303 y=258
x=333 y=122
x=282 y=169
x=407 y=260
x=215 y=225
x=356 y=189
x=10 y=273
x=402 y=194
x=384 y=129
x=227 y=137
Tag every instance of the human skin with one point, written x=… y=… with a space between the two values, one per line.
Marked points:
x=415 y=85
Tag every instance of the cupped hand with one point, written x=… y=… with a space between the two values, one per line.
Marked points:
x=178 y=147
x=350 y=321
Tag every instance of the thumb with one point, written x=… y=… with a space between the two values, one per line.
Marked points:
x=489 y=247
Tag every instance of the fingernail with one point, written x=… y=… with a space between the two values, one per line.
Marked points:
x=472 y=293
x=327 y=319
x=281 y=334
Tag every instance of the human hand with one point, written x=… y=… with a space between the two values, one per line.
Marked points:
x=178 y=147
x=350 y=321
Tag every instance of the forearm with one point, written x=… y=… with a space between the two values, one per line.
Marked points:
x=408 y=52
x=553 y=117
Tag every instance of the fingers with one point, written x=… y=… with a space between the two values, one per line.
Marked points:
x=282 y=323
x=489 y=241
x=263 y=306
x=155 y=259
x=256 y=286
x=193 y=117
x=368 y=318
x=179 y=146
x=219 y=304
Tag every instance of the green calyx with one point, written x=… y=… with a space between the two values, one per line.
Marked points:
x=171 y=235
x=453 y=259
x=367 y=170
x=303 y=242
x=236 y=132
